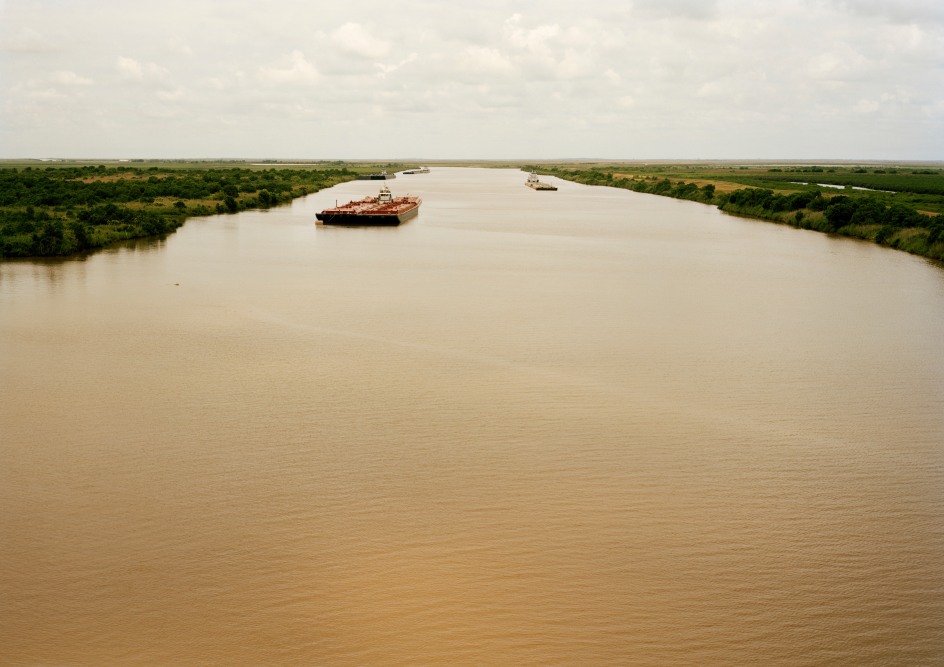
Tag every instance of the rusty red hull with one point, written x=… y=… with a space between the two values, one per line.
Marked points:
x=369 y=211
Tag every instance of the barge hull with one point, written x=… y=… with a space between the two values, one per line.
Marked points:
x=366 y=219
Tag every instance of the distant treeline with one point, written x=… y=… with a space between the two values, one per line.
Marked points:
x=64 y=210
x=862 y=216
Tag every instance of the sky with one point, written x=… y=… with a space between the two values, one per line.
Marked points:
x=473 y=79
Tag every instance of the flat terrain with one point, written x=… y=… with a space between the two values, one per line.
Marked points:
x=896 y=205
x=63 y=207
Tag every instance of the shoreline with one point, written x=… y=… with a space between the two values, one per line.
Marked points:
x=876 y=225
x=785 y=192
x=72 y=211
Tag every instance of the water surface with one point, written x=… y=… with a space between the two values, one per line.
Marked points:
x=579 y=427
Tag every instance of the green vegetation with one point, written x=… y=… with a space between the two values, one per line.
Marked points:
x=895 y=207
x=70 y=208
x=920 y=181
x=55 y=209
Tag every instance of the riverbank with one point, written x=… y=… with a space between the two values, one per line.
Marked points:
x=895 y=207
x=56 y=209
x=68 y=208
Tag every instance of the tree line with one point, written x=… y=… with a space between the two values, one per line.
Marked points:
x=64 y=210
x=862 y=216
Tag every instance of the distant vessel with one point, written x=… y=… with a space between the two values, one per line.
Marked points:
x=533 y=182
x=382 y=210
x=421 y=170
x=382 y=176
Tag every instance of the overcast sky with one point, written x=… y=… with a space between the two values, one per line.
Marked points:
x=515 y=79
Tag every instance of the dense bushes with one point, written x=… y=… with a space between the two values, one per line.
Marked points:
x=63 y=210
x=39 y=234
x=86 y=186
x=864 y=215
x=653 y=185
x=839 y=211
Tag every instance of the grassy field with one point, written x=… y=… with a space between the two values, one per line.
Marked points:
x=899 y=206
x=918 y=183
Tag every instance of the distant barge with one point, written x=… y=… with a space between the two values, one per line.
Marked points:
x=384 y=210
x=382 y=176
x=536 y=184
x=421 y=170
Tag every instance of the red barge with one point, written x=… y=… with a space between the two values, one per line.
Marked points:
x=382 y=210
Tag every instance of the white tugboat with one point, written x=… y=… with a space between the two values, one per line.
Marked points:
x=536 y=184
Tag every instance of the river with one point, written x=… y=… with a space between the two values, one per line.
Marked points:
x=583 y=427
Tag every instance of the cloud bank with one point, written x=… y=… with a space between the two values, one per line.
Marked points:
x=680 y=79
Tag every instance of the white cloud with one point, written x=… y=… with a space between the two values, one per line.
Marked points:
x=711 y=89
x=176 y=44
x=696 y=10
x=170 y=95
x=26 y=40
x=294 y=69
x=573 y=63
x=449 y=82
x=843 y=62
x=355 y=39
x=535 y=40
x=383 y=69
x=866 y=106
x=899 y=11
x=485 y=60
x=67 y=78
x=132 y=70
x=45 y=94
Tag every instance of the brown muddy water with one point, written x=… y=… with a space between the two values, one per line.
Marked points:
x=583 y=427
